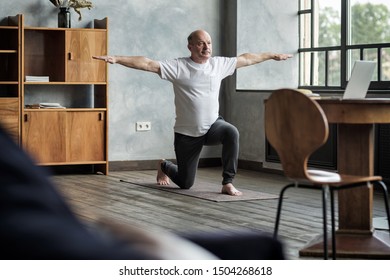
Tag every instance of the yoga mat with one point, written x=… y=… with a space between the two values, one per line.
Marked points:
x=204 y=190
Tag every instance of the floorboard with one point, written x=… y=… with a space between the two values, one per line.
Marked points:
x=95 y=196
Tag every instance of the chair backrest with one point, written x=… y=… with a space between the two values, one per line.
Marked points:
x=295 y=126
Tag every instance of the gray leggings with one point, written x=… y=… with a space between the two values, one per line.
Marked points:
x=188 y=151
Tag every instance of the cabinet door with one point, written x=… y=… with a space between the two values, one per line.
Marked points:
x=44 y=136
x=86 y=136
x=80 y=47
x=9 y=116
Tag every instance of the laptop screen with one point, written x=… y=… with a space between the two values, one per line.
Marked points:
x=360 y=80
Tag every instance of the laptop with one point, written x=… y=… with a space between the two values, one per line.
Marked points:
x=360 y=80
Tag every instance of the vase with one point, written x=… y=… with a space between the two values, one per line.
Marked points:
x=64 y=17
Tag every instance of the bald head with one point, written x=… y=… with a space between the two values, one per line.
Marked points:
x=196 y=34
x=200 y=46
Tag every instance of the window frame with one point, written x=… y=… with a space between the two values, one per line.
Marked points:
x=344 y=48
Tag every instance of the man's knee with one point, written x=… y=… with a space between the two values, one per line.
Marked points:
x=186 y=184
x=233 y=134
x=236 y=133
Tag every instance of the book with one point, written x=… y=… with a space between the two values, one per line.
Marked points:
x=50 y=105
x=308 y=92
x=37 y=78
x=45 y=105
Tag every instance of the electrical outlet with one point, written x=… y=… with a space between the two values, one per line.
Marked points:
x=143 y=126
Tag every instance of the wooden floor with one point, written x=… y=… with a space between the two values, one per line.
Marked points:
x=96 y=196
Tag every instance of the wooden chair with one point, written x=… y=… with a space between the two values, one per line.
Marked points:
x=296 y=126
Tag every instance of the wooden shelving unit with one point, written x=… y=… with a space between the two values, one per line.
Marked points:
x=78 y=133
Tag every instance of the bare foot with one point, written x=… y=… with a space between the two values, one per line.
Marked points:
x=230 y=190
x=162 y=178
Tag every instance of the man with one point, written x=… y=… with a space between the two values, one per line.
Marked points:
x=196 y=82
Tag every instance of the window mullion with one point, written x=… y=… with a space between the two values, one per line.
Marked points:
x=344 y=41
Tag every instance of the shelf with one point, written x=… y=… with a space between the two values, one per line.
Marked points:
x=66 y=110
x=39 y=28
x=8 y=83
x=8 y=27
x=8 y=51
x=66 y=83
x=71 y=163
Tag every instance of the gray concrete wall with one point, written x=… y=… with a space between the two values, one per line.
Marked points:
x=262 y=26
x=158 y=29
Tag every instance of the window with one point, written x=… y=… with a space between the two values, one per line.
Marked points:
x=336 y=33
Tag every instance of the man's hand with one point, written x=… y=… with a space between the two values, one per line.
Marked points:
x=281 y=56
x=106 y=58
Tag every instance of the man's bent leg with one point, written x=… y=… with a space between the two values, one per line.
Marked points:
x=222 y=132
x=187 y=151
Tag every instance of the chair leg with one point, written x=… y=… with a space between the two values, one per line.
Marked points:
x=280 y=202
x=386 y=198
x=325 y=223
x=333 y=224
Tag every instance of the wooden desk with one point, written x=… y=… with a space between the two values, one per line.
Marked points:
x=356 y=236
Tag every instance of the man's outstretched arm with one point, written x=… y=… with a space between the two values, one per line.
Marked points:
x=248 y=59
x=135 y=62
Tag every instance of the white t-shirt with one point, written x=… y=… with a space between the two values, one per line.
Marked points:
x=196 y=87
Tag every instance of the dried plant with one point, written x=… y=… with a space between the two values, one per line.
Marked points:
x=75 y=4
